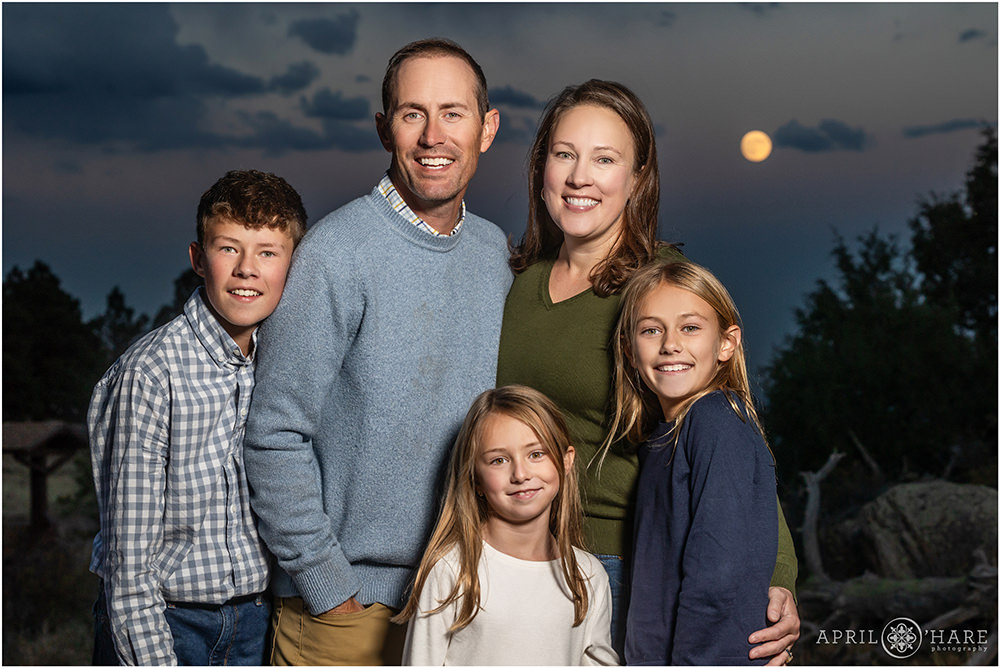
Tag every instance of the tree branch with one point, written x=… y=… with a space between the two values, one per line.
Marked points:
x=810 y=534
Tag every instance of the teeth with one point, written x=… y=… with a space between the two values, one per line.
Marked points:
x=582 y=201
x=246 y=293
x=673 y=367
x=435 y=162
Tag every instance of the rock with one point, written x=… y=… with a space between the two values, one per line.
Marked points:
x=928 y=529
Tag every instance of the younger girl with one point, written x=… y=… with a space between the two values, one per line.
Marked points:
x=706 y=531
x=503 y=580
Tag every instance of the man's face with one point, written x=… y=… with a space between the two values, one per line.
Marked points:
x=435 y=135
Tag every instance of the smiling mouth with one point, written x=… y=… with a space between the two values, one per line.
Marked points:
x=581 y=201
x=240 y=292
x=435 y=163
x=524 y=494
x=672 y=368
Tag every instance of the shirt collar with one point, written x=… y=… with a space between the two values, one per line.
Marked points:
x=396 y=201
x=216 y=340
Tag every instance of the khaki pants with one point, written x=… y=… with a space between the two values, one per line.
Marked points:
x=365 y=638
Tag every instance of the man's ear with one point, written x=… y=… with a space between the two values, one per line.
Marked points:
x=384 y=130
x=197 y=256
x=491 y=125
x=731 y=339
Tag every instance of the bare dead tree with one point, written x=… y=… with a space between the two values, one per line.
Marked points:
x=810 y=532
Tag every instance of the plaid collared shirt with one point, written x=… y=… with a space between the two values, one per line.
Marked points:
x=402 y=208
x=166 y=433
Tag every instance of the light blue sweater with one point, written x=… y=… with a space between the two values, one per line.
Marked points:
x=382 y=339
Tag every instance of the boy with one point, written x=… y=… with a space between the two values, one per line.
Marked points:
x=183 y=569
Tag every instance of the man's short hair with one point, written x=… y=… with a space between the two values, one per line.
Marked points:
x=434 y=47
x=255 y=200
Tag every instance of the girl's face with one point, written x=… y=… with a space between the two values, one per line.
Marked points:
x=516 y=473
x=677 y=345
x=589 y=174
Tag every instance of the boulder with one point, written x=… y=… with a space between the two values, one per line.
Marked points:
x=927 y=529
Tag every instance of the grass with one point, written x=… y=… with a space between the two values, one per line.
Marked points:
x=48 y=590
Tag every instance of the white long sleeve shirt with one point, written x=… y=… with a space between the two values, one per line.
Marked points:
x=526 y=616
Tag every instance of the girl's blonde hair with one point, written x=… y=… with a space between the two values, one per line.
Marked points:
x=463 y=513
x=637 y=409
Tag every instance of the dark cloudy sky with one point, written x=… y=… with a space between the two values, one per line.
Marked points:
x=116 y=117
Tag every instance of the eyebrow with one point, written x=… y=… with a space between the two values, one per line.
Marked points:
x=505 y=450
x=234 y=240
x=596 y=148
x=423 y=107
x=682 y=316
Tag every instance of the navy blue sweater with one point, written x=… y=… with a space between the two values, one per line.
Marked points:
x=706 y=537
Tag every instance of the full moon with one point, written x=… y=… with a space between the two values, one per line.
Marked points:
x=755 y=146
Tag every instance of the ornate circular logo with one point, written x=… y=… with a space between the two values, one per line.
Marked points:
x=901 y=638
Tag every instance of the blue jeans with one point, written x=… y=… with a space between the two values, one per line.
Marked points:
x=231 y=634
x=618 y=577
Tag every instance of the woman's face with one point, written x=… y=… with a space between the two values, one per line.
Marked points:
x=590 y=172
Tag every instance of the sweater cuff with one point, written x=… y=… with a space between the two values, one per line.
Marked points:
x=784 y=576
x=327 y=585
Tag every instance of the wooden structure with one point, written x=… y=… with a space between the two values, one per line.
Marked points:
x=43 y=447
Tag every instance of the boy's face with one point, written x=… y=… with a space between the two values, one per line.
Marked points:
x=244 y=271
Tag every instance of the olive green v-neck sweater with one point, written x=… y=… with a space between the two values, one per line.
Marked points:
x=563 y=350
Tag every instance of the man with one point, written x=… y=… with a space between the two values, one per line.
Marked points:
x=388 y=329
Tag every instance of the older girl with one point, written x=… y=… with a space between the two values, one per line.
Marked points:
x=706 y=531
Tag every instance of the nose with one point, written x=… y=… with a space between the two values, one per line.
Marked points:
x=433 y=133
x=246 y=266
x=519 y=471
x=670 y=343
x=580 y=175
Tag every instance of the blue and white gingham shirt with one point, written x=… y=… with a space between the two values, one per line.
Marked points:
x=388 y=190
x=166 y=433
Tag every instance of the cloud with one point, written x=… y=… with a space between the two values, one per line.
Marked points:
x=953 y=125
x=108 y=50
x=329 y=104
x=299 y=76
x=760 y=8
x=511 y=97
x=100 y=73
x=971 y=34
x=114 y=76
x=664 y=18
x=276 y=136
x=330 y=36
x=516 y=130
x=829 y=135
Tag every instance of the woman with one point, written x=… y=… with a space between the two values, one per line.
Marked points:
x=592 y=218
